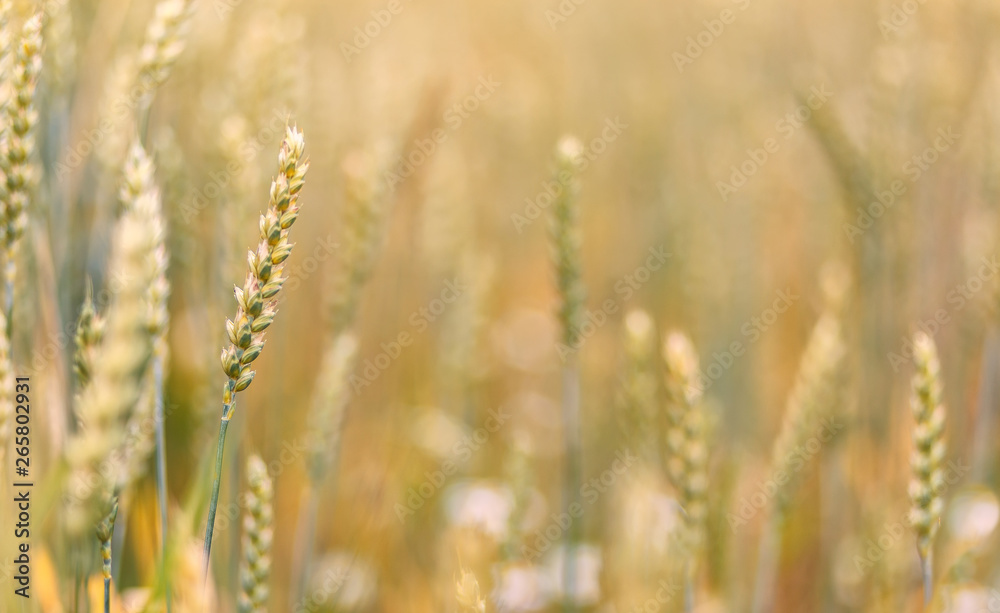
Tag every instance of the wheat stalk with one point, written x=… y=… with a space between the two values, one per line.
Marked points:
x=687 y=448
x=928 y=454
x=256 y=303
x=17 y=150
x=6 y=389
x=256 y=566
x=565 y=239
x=105 y=531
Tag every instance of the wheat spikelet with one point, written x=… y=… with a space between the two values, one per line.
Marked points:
x=565 y=238
x=89 y=332
x=18 y=148
x=256 y=566
x=105 y=531
x=928 y=454
x=164 y=43
x=467 y=594
x=117 y=371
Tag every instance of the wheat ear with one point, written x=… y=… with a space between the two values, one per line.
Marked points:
x=17 y=150
x=256 y=303
x=105 y=531
x=467 y=594
x=687 y=448
x=164 y=43
x=638 y=393
x=139 y=189
x=255 y=570
x=927 y=460
x=116 y=372
x=813 y=396
x=565 y=239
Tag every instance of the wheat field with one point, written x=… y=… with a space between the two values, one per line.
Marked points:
x=570 y=305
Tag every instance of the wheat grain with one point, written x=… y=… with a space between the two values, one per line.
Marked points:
x=256 y=566
x=927 y=459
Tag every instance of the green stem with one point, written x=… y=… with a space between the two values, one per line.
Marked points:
x=927 y=568
x=571 y=483
x=161 y=460
x=107 y=595
x=214 y=504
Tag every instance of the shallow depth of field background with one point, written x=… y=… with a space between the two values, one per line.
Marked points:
x=461 y=216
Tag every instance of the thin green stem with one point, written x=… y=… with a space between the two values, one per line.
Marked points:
x=214 y=504
x=571 y=482
x=927 y=570
x=107 y=595
x=161 y=459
